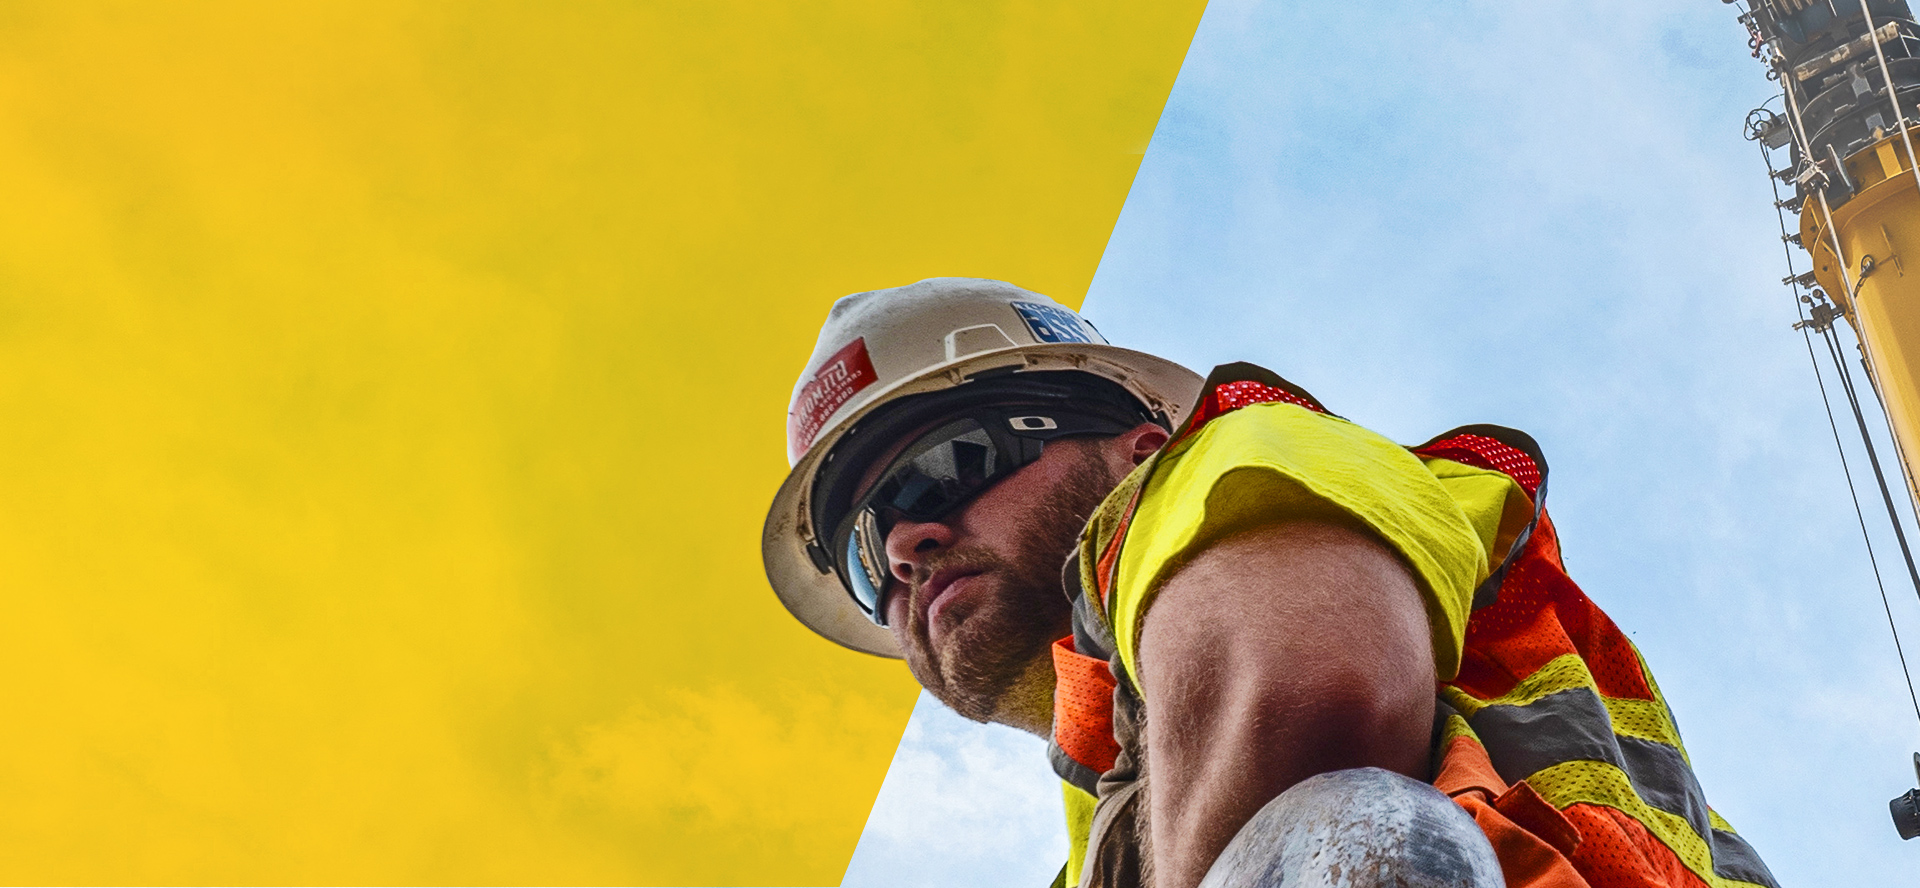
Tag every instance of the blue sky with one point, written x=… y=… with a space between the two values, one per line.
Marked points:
x=1539 y=215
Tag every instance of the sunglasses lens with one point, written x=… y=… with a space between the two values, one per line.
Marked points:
x=863 y=578
x=950 y=465
x=935 y=474
x=938 y=473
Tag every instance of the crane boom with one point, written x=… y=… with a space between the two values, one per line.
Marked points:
x=1849 y=75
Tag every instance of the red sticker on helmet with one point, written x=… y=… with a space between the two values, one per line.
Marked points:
x=840 y=378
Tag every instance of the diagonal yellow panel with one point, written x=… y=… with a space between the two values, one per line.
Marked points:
x=390 y=394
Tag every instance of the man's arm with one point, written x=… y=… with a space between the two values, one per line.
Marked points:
x=1282 y=652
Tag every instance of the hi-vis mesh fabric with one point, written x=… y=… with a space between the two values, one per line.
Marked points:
x=1083 y=707
x=1555 y=737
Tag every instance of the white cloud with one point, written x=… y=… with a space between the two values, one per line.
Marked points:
x=964 y=804
x=1544 y=216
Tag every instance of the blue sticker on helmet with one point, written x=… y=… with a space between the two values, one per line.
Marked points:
x=1051 y=323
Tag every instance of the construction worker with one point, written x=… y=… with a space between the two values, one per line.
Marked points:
x=1341 y=661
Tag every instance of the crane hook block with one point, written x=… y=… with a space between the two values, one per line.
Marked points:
x=1906 y=807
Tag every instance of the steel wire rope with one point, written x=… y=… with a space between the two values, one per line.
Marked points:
x=1835 y=352
x=1866 y=356
x=1851 y=288
x=1833 y=425
x=1886 y=79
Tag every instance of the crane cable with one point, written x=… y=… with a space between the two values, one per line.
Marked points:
x=1834 y=352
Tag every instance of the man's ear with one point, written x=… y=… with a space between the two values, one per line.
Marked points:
x=1145 y=440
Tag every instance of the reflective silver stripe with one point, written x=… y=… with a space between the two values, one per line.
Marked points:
x=1733 y=858
x=1661 y=777
x=1565 y=726
x=1077 y=775
x=1572 y=725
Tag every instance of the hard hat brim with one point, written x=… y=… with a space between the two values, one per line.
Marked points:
x=816 y=598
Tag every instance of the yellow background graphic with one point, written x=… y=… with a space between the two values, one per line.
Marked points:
x=391 y=393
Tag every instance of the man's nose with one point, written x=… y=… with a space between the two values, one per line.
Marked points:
x=910 y=542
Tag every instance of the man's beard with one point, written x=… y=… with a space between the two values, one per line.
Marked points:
x=980 y=665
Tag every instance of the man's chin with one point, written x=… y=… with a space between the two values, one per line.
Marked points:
x=980 y=665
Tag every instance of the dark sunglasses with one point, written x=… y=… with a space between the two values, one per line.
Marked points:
x=939 y=472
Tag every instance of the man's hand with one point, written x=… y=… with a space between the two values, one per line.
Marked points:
x=1278 y=653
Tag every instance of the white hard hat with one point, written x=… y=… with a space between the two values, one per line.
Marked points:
x=884 y=345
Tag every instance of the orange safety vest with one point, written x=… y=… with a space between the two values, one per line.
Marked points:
x=1554 y=736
